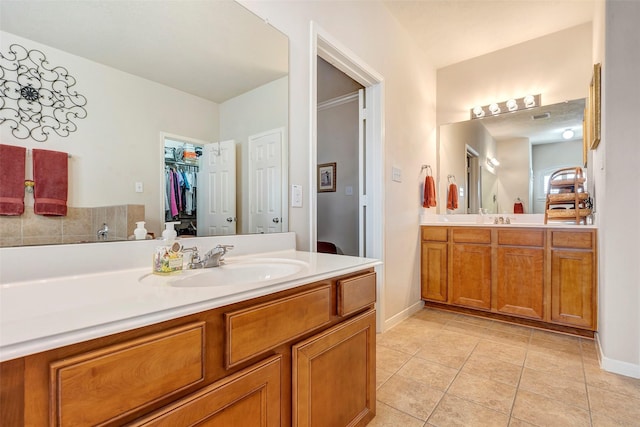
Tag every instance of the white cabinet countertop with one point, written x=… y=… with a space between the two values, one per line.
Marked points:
x=39 y=315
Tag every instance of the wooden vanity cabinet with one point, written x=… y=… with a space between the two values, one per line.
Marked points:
x=520 y=273
x=543 y=276
x=228 y=366
x=470 y=271
x=573 y=273
x=434 y=260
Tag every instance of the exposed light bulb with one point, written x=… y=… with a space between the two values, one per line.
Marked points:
x=494 y=108
x=512 y=105
x=529 y=101
x=478 y=111
x=568 y=134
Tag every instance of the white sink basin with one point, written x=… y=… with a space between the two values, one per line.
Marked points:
x=236 y=273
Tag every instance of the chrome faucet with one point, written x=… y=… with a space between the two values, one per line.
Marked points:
x=213 y=258
x=103 y=232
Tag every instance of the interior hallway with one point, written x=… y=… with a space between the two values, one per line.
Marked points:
x=445 y=369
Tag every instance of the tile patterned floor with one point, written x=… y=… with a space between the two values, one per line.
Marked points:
x=445 y=369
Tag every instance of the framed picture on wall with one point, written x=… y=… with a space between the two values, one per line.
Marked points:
x=327 y=177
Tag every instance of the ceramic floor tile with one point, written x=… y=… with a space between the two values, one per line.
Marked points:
x=507 y=353
x=562 y=346
x=512 y=329
x=478 y=321
x=453 y=411
x=542 y=411
x=382 y=375
x=620 y=384
x=539 y=334
x=564 y=367
x=507 y=338
x=493 y=369
x=547 y=384
x=599 y=420
x=448 y=348
x=435 y=315
x=387 y=416
x=621 y=408
x=431 y=374
x=514 y=422
x=466 y=328
x=399 y=341
x=390 y=359
x=490 y=394
x=409 y=396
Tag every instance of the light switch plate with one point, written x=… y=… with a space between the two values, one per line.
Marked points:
x=296 y=196
x=396 y=174
x=139 y=187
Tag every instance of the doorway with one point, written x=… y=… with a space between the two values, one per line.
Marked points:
x=339 y=149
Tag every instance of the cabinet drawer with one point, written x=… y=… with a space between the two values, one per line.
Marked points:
x=572 y=239
x=100 y=386
x=251 y=394
x=521 y=237
x=254 y=330
x=471 y=235
x=436 y=234
x=356 y=293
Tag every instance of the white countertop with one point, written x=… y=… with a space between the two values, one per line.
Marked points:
x=43 y=314
x=475 y=220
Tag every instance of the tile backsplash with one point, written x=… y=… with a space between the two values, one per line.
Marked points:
x=80 y=225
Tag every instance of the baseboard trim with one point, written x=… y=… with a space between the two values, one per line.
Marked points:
x=404 y=314
x=617 y=366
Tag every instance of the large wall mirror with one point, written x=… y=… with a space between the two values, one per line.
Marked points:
x=198 y=73
x=528 y=146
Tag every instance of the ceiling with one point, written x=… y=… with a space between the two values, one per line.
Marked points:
x=451 y=31
x=154 y=39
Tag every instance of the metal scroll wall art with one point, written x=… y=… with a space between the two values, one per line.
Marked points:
x=37 y=98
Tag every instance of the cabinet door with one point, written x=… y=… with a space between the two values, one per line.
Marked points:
x=250 y=398
x=471 y=276
x=433 y=276
x=572 y=288
x=520 y=281
x=334 y=375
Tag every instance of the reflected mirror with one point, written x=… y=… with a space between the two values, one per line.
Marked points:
x=528 y=145
x=207 y=76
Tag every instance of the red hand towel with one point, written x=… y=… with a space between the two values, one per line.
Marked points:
x=452 y=197
x=518 y=208
x=429 y=193
x=51 y=177
x=12 y=162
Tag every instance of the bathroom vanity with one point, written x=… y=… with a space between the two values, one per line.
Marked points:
x=299 y=350
x=539 y=275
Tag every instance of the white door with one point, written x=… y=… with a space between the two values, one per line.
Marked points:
x=217 y=189
x=265 y=182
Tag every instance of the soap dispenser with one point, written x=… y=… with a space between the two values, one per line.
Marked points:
x=140 y=232
x=169 y=234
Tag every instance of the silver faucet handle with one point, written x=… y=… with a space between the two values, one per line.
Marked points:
x=195 y=256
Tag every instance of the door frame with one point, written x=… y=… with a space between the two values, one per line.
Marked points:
x=330 y=49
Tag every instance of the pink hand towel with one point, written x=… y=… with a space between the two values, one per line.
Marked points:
x=12 y=163
x=429 y=192
x=51 y=178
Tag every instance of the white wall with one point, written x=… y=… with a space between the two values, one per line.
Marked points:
x=262 y=109
x=375 y=37
x=118 y=143
x=618 y=194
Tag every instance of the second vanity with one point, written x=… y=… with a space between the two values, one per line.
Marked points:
x=125 y=347
x=534 y=274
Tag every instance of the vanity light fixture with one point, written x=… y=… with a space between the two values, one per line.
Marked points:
x=568 y=134
x=493 y=162
x=511 y=105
